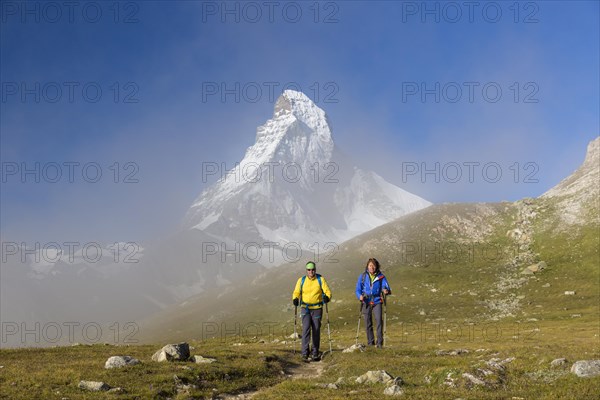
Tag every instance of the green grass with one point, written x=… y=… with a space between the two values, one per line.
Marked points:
x=55 y=372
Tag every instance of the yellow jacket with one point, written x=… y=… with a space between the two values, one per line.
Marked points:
x=311 y=292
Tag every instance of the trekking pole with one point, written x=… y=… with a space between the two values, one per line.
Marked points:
x=328 y=329
x=384 y=318
x=295 y=329
x=359 y=316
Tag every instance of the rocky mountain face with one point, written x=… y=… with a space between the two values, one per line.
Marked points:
x=577 y=196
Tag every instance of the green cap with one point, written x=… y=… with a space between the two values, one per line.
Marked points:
x=310 y=265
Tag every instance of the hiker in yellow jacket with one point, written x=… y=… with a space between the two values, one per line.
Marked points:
x=311 y=293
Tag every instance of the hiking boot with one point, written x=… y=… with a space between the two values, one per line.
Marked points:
x=315 y=357
x=305 y=358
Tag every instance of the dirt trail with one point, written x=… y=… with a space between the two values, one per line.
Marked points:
x=294 y=371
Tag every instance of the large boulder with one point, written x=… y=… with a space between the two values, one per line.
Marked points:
x=586 y=368
x=173 y=352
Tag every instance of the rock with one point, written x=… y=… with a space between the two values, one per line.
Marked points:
x=182 y=384
x=538 y=267
x=451 y=352
x=331 y=386
x=340 y=381
x=393 y=390
x=527 y=271
x=569 y=293
x=173 y=352
x=93 y=386
x=380 y=376
x=497 y=364
x=294 y=336
x=354 y=347
x=535 y=268
x=161 y=356
x=546 y=285
x=449 y=380
x=202 y=360
x=514 y=233
x=117 y=390
x=120 y=361
x=473 y=379
x=586 y=368
x=559 y=362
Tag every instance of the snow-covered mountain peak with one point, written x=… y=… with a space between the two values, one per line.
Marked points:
x=294 y=186
x=300 y=106
x=299 y=133
x=296 y=106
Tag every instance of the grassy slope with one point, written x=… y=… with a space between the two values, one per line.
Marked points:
x=449 y=292
x=436 y=305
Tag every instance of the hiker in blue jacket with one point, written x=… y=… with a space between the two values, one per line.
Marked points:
x=370 y=288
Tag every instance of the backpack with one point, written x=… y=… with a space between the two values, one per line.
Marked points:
x=362 y=283
x=320 y=285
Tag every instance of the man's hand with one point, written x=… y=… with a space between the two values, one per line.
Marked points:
x=362 y=298
x=386 y=291
x=325 y=299
x=296 y=302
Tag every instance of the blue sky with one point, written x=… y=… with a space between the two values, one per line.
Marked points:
x=360 y=67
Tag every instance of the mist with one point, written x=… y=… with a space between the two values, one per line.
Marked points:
x=159 y=123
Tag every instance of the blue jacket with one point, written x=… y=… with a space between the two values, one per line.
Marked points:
x=372 y=291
